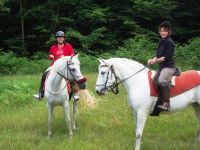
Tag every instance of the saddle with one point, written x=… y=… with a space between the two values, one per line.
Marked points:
x=186 y=81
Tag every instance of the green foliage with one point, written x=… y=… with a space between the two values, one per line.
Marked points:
x=15 y=93
x=188 y=55
x=11 y=64
x=88 y=63
x=87 y=41
x=14 y=44
x=153 y=9
x=2 y=6
x=140 y=48
x=92 y=26
x=185 y=23
x=39 y=55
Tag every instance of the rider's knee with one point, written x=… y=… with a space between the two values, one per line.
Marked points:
x=162 y=83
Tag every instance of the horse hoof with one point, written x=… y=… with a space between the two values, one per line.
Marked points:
x=197 y=139
x=74 y=128
x=70 y=134
x=49 y=136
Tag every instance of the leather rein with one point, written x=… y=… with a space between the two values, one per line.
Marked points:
x=114 y=87
x=63 y=76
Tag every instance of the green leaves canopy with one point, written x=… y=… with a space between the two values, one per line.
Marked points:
x=93 y=26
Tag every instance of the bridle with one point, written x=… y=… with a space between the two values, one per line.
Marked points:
x=114 y=87
x=69 y=70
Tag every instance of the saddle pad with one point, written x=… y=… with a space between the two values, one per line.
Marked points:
x=186 y=81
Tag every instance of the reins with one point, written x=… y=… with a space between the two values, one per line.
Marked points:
x=114 y=87
x=63 y=87
x=62 y=77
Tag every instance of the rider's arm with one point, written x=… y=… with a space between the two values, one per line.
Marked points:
x=51 y=56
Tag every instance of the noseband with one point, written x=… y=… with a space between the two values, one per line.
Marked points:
x=68 y=68
x=81 y=82
x=114 y=87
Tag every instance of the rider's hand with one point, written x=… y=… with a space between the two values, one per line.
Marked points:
x=149 y=62
x=161 y=59
x=154 y=61
x=51 y=56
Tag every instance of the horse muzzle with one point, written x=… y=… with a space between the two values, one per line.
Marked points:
x=82 y=83
x=102 y=92
x=83 y=80
x=82 y=86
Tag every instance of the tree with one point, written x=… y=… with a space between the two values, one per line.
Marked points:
x=92 y=26
x=2 y=6
x=22 y=23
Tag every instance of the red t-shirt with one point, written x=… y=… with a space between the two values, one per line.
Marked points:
x=57 y=52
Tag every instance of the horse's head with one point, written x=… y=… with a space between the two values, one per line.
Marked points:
x=75 y=72
x=106 y=79
x=70 y=69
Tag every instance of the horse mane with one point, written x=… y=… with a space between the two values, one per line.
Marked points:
x=130 y=63
x=59 y=63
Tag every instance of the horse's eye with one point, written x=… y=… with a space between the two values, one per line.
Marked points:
x=73 y=69
x=103 y=72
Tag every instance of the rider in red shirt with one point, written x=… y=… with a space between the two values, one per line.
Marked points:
x=58 y=50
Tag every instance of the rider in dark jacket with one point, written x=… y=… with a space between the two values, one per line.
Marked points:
x=164 y=56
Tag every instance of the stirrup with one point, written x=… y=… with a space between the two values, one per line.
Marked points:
x=164 y=107
x=76 y=97
x=37 y=97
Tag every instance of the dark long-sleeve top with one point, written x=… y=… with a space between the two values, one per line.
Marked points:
x=166 y=49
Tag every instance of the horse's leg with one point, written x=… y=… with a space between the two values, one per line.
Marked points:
x=50 y=119
x=68 y=121
x=141 y=120
x=135 y=119
x=196 y=107
x=74 y=115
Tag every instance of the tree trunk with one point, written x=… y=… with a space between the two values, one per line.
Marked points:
x=22 y=25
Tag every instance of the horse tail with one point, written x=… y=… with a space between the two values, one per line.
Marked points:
x=87 y=99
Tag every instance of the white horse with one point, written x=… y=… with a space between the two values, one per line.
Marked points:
x=133 y=76
x=56 y=91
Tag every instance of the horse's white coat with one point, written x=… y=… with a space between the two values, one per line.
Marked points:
x=56 y=91
x=137 y=88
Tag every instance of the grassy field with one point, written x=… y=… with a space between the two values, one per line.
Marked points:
x=110 y=126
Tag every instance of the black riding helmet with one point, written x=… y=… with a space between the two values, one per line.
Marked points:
x=60 y=34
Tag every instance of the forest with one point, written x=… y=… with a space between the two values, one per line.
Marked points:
x=95 y=28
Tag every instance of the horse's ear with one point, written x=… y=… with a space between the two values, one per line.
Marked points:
x=101 y=60
x=76 y=55
x=71 y=57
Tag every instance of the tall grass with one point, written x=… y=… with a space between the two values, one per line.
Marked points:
x=110 y=126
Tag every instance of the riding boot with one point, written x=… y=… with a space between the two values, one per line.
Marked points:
x=40 y=93
x=165 y=94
